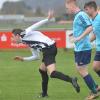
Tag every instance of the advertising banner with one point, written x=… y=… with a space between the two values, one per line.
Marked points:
x=6 y=41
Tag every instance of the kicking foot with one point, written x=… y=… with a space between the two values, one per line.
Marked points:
x=75 y=84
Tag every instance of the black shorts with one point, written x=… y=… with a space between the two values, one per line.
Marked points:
x=97 y=56
x=83 y=57
x=49 y=55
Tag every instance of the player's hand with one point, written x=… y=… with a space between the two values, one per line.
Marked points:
x=18 y=58
x=50 y=14
x=74 y=39
x=71 y=37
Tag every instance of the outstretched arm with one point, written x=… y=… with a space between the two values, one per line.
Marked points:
x=35 y=56
x=39 y=24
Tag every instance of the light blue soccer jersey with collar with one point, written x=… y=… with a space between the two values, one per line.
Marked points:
x=81 y=22
x=96 y=30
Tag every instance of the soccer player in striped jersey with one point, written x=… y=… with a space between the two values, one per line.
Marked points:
x=37 y=41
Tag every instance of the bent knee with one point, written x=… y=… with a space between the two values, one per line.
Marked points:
x=52 y=75
x=82 y=71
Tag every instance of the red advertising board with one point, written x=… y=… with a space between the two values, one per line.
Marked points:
x=6 y=41
x=59 y=36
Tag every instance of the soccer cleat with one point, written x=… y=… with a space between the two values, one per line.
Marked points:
x=75 y=84
x=43 y=95
x=92 y=96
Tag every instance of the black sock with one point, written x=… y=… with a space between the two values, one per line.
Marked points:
x=45 y=79
x=98 y=72
x=60 y=76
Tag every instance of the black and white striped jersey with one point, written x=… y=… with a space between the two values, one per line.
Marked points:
x=37 y=40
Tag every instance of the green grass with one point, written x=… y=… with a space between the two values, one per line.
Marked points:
x=21 y=80
x=10 y=26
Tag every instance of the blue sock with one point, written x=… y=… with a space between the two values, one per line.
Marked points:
x=90 y=83
x=96 y=85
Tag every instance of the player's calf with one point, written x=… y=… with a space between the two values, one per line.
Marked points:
x=96 y=68
x=55 y=74
x=45 y=79
x=98 y=72
x=61 y=76
x=96 y=63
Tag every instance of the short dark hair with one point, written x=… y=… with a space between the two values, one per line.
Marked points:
x=69 y=1
x=17 y=31
x=91 y=4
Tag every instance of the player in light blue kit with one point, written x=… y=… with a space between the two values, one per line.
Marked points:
x=91 y=9
x=82 y=26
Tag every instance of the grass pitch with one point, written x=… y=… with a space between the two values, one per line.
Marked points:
x=21 y=80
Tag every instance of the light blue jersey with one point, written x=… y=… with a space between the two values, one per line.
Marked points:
x=96 y=29
x=81 y=22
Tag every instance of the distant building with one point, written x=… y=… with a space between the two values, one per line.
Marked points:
x=13 y=8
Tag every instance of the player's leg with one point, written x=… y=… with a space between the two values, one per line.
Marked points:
x=96 y=63
x=87 y=78
x=55 y=74
x=59 y=75
x=49 y=60
x=82 y=59
x=96 y=66
x=45 y=78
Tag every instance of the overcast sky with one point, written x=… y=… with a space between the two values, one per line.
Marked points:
x=2 y=1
